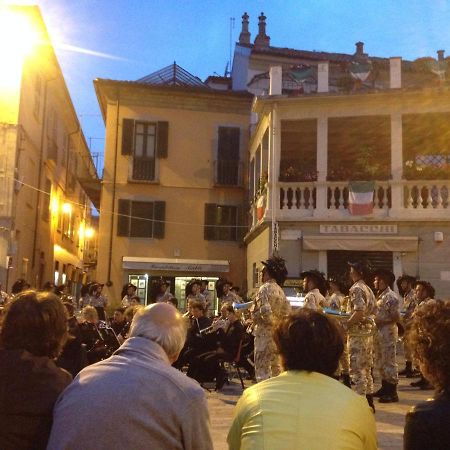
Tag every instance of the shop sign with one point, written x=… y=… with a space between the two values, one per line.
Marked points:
x=371 y=228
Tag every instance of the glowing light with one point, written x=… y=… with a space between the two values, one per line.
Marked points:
x=67 y=208
x=81 y=231
x=18 y=37
x=55 y=206
x=89 y=233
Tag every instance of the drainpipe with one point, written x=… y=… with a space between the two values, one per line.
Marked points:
x=41 y=158
x=113 y=206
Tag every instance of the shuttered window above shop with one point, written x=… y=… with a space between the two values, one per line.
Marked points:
x=224 y=222
x=140 y=219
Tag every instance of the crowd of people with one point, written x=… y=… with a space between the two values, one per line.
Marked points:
x=125 y=375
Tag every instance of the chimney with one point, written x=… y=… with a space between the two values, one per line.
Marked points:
x=276 y=74
x=244 y=37
x=322 y=77
x=359 y=49
x=440 y=54
x=395 y=72
x=262 y=40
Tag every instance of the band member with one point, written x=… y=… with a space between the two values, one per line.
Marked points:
x=406 y=285
x=270 y=305
x=335 y=298
x=227 y=295
x=128 y=291
x=193 y=292
x=316 y=287
x=361 y=306
x=387 y=316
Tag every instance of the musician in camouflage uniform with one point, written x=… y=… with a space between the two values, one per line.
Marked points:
x=361 y=307
x=270 y=305
x=316 y=287
x=406 y=285
x=387 y=316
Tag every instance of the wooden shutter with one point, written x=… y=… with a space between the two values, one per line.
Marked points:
x=210 y=219
x=228 y=148
x=159 y=217
x=162 y=139
x=127 y=136
x=123 y=220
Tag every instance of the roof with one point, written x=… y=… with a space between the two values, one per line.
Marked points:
x=173 y=75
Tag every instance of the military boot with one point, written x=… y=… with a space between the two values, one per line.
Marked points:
x=369 y=398
x=346 y=380
x=390 y=394
x=382 y=389
x=408 y=371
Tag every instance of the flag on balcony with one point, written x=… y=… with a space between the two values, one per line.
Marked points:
x=360 y=197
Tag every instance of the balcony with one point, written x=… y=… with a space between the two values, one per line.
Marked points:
x=228 y=172
x=397 y=200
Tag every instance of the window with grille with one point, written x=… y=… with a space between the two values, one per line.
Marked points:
x=228 y=165
x=141 y=219
x=145 y=142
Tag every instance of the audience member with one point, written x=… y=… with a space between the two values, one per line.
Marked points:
x=427 y=424
x=304 y=407
x=33 y=334
x=140 y=400
x=128 y=291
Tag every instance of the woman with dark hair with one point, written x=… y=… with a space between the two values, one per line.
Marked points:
x=270 y=305
x=33 y=333
x=304 y=407
x=427 y=424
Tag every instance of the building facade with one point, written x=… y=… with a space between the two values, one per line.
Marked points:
x=322 y=121
x=47 y=177
x=173 y=193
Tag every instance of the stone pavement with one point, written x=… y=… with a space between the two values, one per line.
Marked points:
x=390 y=417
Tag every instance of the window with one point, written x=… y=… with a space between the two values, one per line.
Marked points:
x=223 y=222
x=46 y=200
x=141 y=219
x=228 y=164
x=145 y=141
x=37 y=96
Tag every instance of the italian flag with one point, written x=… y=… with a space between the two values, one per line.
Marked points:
x=360 y=197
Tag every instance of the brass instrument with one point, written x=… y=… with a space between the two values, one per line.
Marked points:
x=219 y=323
x=239 y=306
x=365 y=328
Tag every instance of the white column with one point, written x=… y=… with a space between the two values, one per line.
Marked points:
x=275 y=80
x=322 y=166
x=396 y=161
x=322 y=77
x=273 y=195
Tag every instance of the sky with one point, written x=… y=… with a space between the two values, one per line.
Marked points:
x=128 y=39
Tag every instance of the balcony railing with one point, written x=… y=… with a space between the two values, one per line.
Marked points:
x=397 y=199
x=228 y=172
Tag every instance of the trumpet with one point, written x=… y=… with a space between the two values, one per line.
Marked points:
x=239 y=306
x=216 y=325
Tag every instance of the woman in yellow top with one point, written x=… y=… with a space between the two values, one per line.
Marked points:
x=304 y=407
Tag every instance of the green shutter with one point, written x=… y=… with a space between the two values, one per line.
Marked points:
x=162 y=140
x=210 y=219
x=159 y=217
x=123 y=220
x=127 y=136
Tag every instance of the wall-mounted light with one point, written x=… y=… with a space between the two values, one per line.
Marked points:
x=438 y=236
x=67 y=208
x=89 y=233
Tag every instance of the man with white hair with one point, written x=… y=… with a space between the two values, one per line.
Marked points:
x=135 y=399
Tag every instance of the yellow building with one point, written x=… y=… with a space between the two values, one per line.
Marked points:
x=47 y=176
x=173 y=189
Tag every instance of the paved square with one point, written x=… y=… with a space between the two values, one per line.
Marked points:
x=390 y=417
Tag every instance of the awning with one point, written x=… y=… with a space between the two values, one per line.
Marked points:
x=364 y=243
x=175 y=265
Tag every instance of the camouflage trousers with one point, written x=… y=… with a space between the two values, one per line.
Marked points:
x=407 y=342
x=344 y=361
x=267 y=362
x=360 y=349
x=386 y=353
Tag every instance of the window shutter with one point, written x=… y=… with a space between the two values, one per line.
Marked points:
x=127 y=136
x=123 y=220
x=228 y=148
x=242 y=223
x=210 y=219
x=159 y=217
x=162 y=140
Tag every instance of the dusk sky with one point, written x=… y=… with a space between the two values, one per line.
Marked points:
x=137 y=37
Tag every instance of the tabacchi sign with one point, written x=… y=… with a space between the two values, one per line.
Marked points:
x=358 y=229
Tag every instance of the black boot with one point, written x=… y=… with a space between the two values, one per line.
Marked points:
x=369 y=398
x=419 y=383
x=408 y=371
x=390 y=394
x=346 y=380
x=380 y=391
